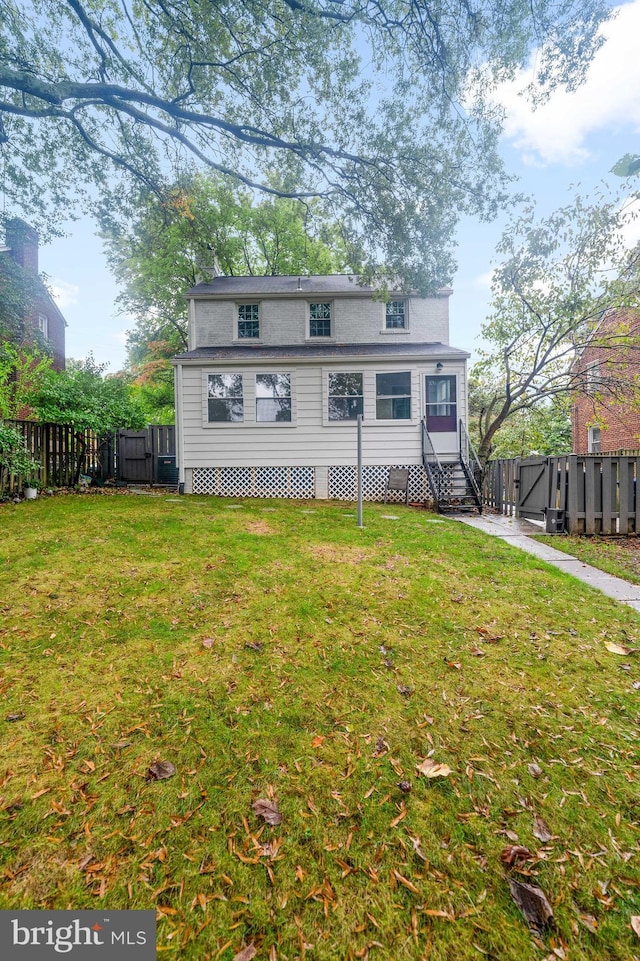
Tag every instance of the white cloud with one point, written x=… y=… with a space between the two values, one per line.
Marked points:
x=64 y=293
x=609 y=100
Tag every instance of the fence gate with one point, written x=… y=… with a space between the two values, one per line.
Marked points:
x=147 y=456
x=135 y=458
x=534 y=487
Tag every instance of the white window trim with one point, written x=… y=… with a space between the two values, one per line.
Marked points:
x=42 y=324
x=236 y=321
x=413 y=395
x=594 y=444
x=407 y=322
x=248 y=398
x=278 y=424
x=307 y=333
x=341 y=424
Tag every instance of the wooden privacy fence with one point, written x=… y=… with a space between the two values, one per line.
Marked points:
x=59 y=448
x=597 y=493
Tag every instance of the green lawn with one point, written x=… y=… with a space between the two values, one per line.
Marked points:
x=619 y=556
x=273 y=651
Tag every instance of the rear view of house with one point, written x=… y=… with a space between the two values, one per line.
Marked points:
x=278 y=370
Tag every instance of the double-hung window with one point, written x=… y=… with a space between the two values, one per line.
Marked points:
x=393 y=396
x=42 y=323
x=345 y=396
x=248 y=321
x=225 y=398
x=396 y=315
x=320 y=319
x=273 y=398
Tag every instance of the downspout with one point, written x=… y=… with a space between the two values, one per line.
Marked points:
x=179 y=426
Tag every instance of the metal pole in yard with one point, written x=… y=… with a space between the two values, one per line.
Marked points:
x=360 y=470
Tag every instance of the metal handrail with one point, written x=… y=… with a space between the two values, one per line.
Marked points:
x=432 y=465
x=470 y=464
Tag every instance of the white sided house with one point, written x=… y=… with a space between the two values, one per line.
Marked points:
x=278 y=369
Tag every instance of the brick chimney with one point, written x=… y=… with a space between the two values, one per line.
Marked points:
x=23 y=241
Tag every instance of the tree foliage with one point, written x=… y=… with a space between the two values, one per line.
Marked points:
x=204 y=225
x=82 y=396
x=21 y=371
x=380 y=107
x=558 y=277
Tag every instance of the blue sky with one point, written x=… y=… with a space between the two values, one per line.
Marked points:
x=571 y=142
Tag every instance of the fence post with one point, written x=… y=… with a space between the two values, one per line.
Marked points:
x=572 y=495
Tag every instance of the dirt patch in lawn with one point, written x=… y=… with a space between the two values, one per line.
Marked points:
x=261 y=528
x=332 y=553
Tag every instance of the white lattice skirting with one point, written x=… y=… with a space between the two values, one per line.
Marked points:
x=255 y=481
x=343 y=483
x=300 y=482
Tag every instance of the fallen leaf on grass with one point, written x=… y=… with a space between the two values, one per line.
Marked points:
x=405 y=786
x=404 y=690
x=405 y=882
x=513 y=853
x=160 y=770
x=208 y=642
x=267 y=810
x=254 y=646
x=317 y=740
x=635 y=923
x=590 y=923
x=534 y=770
x=619 y=648
x=18 y=716
x=541 y=829
x=430 y=769
x=532 y=902
x=246 y=954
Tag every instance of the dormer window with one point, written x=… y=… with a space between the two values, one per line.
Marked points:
x=248 y=321
x=396 y=315
x=320 y=319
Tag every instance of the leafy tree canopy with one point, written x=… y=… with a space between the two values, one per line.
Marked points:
x=380 y=107
x=83 y=397
x=558 y=277
x=204 y=225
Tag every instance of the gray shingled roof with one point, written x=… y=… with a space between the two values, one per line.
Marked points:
x=292 y=284
x=311 y=351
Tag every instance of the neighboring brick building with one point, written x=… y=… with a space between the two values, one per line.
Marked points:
x=22 y=246
x=606 y=414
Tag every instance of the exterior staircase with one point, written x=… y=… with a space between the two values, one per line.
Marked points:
x=455 y=485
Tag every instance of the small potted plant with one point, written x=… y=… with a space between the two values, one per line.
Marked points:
x=31 y=481
x=28 y=469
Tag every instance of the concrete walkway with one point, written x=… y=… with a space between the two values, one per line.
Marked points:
x=517 y=531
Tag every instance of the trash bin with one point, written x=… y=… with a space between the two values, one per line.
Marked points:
x=167 y=472
x=554 y=521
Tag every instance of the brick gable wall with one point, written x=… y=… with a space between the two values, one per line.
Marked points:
x=619 y=420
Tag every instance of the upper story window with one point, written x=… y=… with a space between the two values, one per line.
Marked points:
x=273 y=398
x=593 y=440
x=320 y=319
x=396 y=315
x=42 y=323
x=393 y=396
x=225 y=399
x=248 y=321
x=345 y=396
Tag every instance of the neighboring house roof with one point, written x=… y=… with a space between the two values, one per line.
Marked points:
x=289 y=284
x=320 y=351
